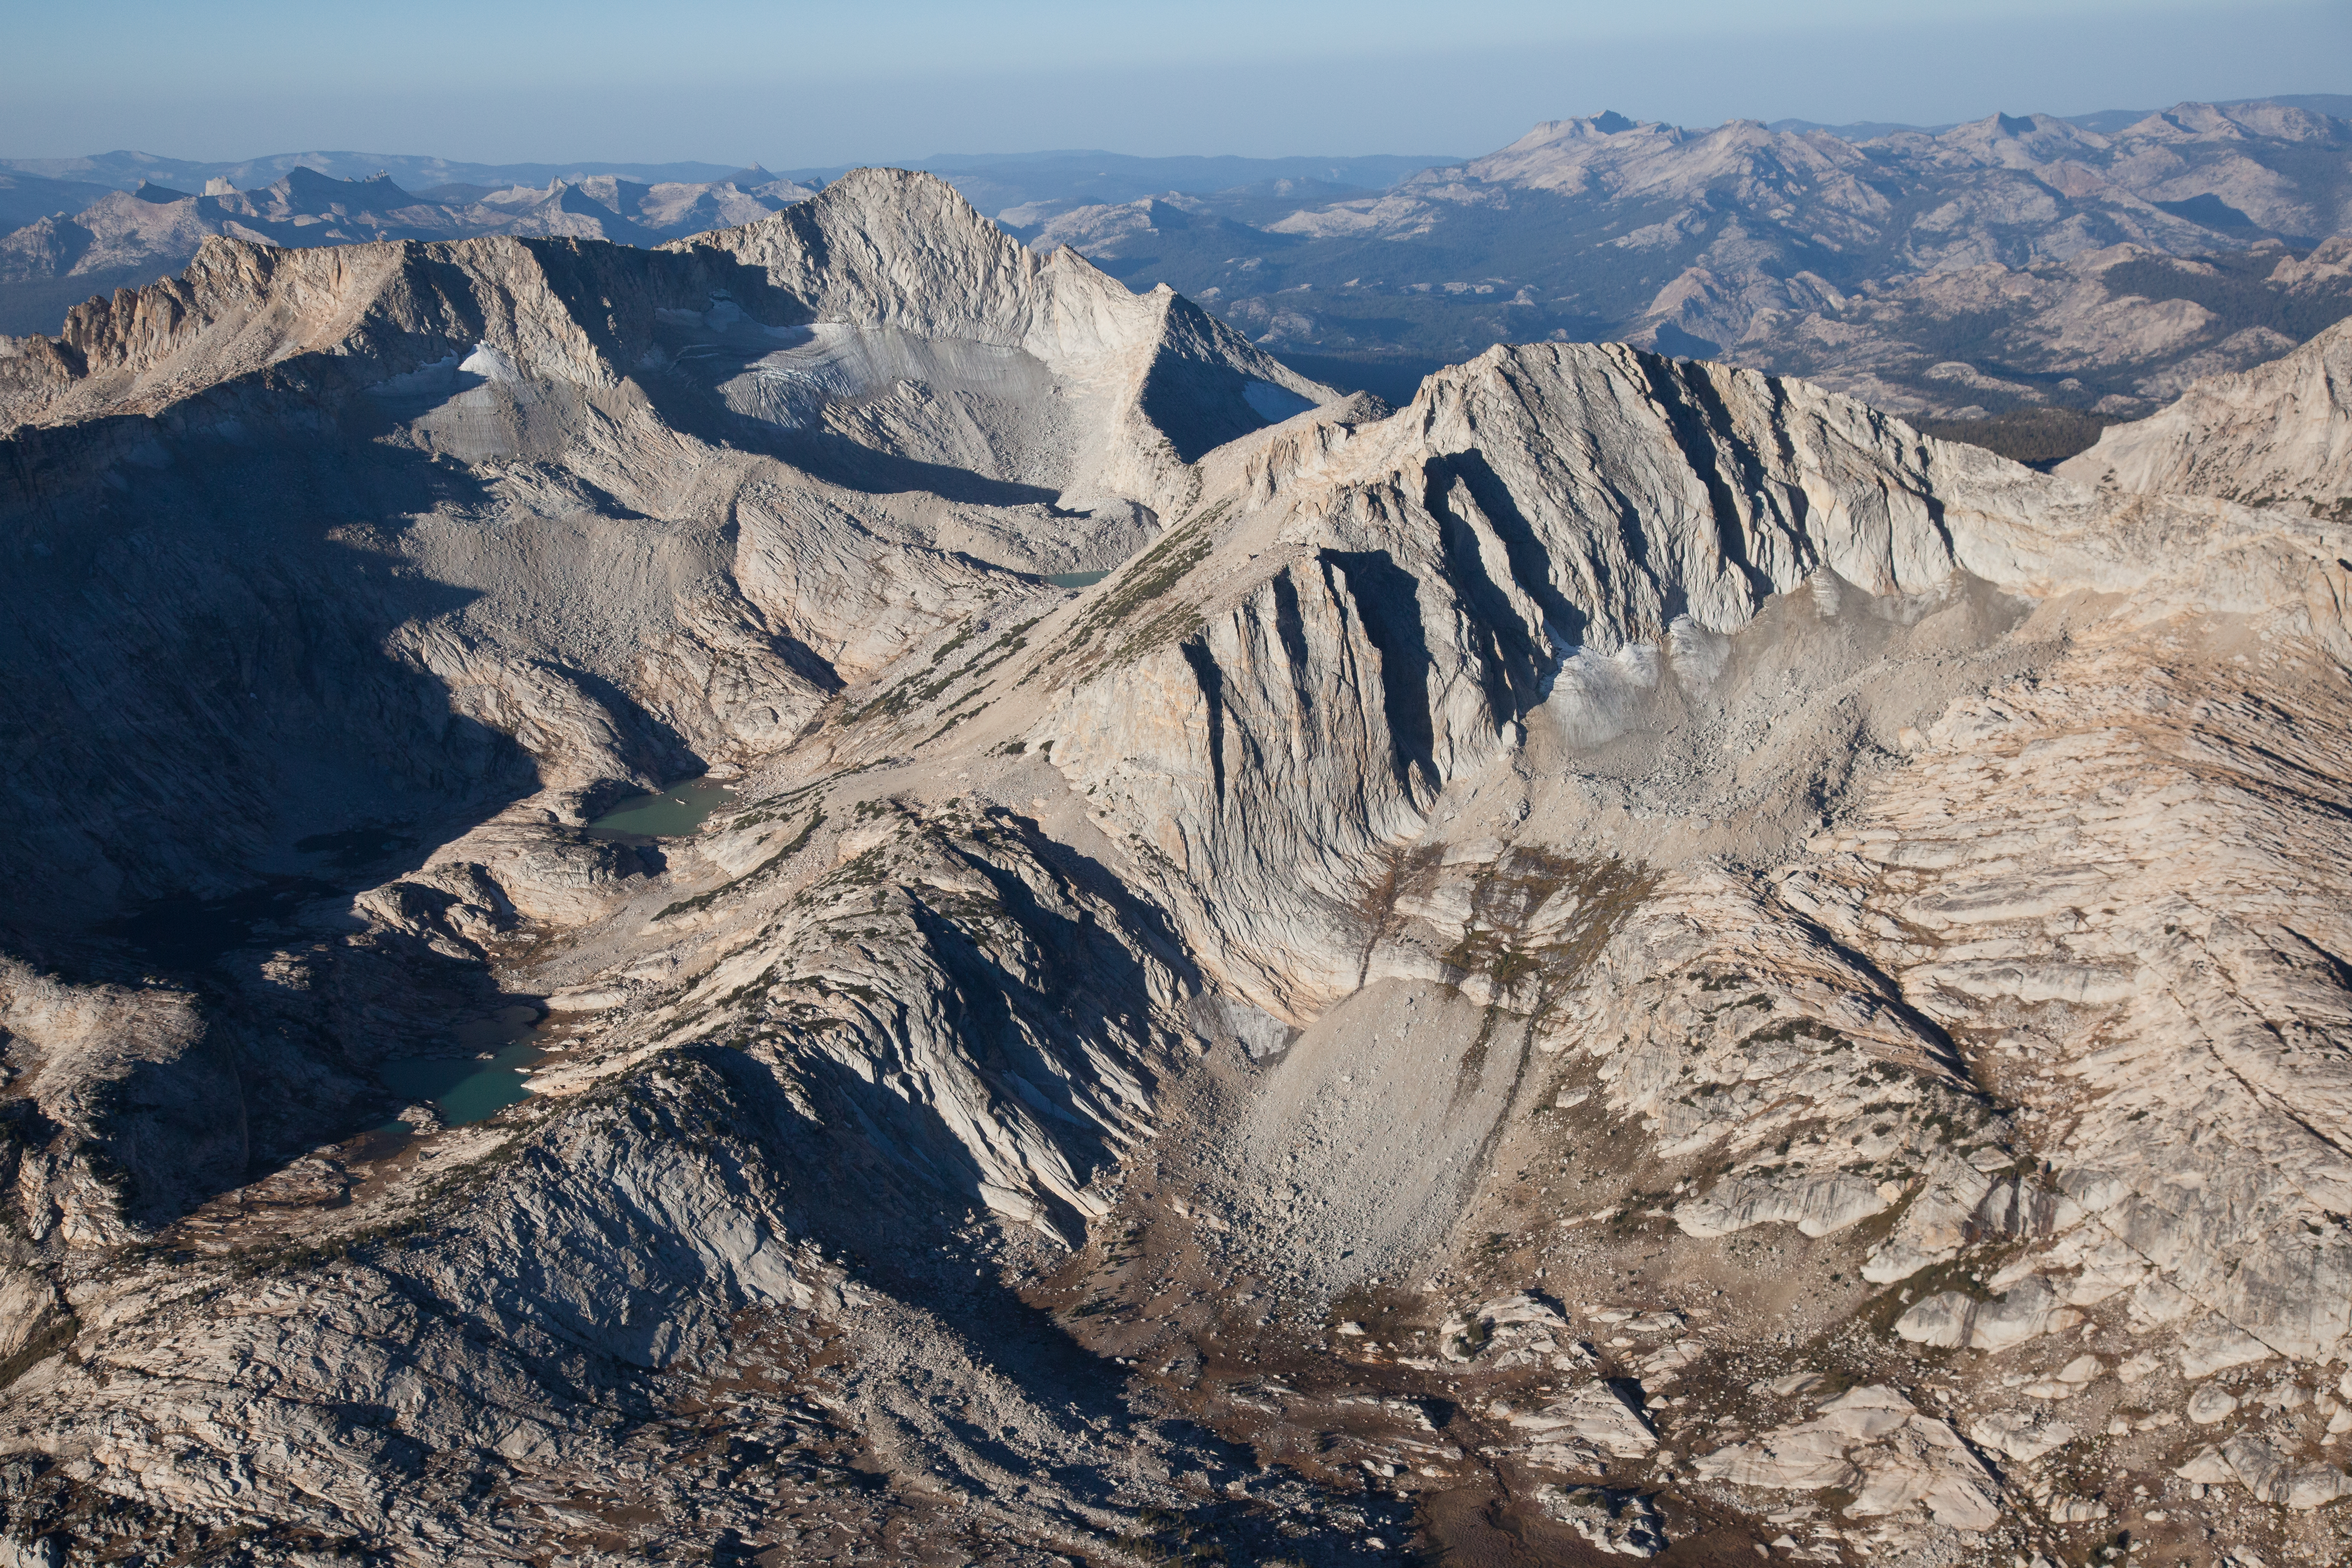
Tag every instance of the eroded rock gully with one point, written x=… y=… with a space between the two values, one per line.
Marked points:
x=1628 y=960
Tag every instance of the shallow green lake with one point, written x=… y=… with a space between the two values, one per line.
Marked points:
x=1075 y=579
x=464 y=1085
x=674 y=813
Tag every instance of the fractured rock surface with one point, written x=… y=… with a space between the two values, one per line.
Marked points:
x=1628 y=953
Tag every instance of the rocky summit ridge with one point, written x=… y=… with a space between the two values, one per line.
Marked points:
x=1630 y=957
x=2278 y=435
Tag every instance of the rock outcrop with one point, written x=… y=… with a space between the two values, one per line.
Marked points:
x=1630 y=941
x=2279 y=434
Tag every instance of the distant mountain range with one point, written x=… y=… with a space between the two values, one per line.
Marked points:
x=2012 y=262
x=125 y=238
x=90 y=225
x=2102 y=122
x=2096 y=262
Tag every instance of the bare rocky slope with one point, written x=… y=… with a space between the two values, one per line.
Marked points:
x=1628 y=959
x=2279 y=434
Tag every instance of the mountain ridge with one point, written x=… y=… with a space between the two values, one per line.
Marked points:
x=1631 y=955
x=1955 y=275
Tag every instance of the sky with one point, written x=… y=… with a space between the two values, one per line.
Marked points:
x=799 y=85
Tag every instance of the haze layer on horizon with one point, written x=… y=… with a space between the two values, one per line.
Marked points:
x=803 y=86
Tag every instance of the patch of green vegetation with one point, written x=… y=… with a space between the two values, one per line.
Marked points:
x=955 y=717
x=2039 y=438
x=1163 y=1536
x=1871 y=1229
x=870 y=869
x=1964 y=1274
x=1795 y=1029
x=1507 y=894
x=759 y=983
x=774 y=807
x=901 y=696
x=919 y=690
x=1147 y=577
x=341 y=1248
x=2235 y=286
x=704 y=901
x=825 y=986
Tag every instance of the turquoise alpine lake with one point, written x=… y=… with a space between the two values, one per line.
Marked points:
x=675 y=813
x=482 y=1075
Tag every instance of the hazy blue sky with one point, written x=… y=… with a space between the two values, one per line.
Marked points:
x=789 y=85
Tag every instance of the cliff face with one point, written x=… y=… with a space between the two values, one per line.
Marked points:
x=2279 y=434
x=1154 y=382
x=1753 y=970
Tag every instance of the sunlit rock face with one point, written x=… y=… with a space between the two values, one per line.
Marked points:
x=1630 y=952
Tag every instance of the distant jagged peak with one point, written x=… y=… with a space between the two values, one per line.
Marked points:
x=2195 y=119
x=894 y=247
x=898 y=249
x=1652 y=158
x=1590 y=126
x=305 y=189
x=2280 y=121
x=2020 y=140
x=2258 y=120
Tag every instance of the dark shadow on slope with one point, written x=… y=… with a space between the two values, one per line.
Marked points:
x=695 y=408
x=1518 y=669
x=838 y=461
x=1143 y=919
x=1030 y=1038
x=1703 y=433
x=1196 y=398
x=221 y=739
x=1388 y=598
x=1212 y=692
x=1529 y=559
x=203 y=648
x=182 y=932
x=1684 y=344
x=654 y=746
x=2208 y=211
